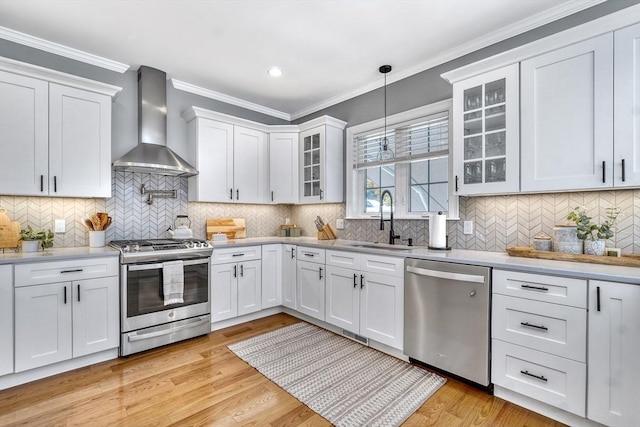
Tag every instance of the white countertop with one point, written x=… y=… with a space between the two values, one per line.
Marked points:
x=459 y=256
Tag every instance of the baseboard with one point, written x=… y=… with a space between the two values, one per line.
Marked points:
x=12 y=380
x=246 y=318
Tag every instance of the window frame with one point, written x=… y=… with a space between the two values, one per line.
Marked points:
x=354 y=195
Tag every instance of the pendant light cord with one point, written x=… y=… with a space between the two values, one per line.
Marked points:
x=384 y=70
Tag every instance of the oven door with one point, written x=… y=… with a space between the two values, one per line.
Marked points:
x=143 y=300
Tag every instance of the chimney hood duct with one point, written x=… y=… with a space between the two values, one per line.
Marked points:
x=152 y=155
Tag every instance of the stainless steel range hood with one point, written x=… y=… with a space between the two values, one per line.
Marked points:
x=152 y=155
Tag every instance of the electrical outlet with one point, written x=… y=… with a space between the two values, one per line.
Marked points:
x=468 y=227
x=340 y=224
x=59 y=226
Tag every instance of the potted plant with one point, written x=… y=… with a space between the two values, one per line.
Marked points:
x=32 y=240
x=594 y=235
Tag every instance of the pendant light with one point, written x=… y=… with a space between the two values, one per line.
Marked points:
x=385 y=152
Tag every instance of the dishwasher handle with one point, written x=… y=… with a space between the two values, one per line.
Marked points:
x=446 y=274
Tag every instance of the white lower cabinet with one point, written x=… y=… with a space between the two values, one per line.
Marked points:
x=6 y=319
x=236 y=287
x=365 y=302
x=66 y=319
x=272 y=263
x=614 y=354
x=289 y=276
x=310 y=282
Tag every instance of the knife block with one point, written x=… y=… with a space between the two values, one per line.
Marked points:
x=327 y=233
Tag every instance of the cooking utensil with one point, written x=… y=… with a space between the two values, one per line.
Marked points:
x=318 y=224
x=320 y=221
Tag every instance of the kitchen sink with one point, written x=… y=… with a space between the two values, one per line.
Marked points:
x=382 y=246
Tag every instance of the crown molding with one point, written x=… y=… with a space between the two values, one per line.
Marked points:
x=323 y=120
x=58 y=49
x=207 y=93
x=519 y=27
x=53 y=76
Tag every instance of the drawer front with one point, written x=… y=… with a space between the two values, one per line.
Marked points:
x=383 y=265
x=552 y=328
x=344 y=259
x=245 y=253
x=551 y=379
x=39 y=273
x=311 y=254
x=539 y=287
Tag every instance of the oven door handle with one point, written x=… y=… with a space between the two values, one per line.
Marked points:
x=167 y=331
x=157 y=266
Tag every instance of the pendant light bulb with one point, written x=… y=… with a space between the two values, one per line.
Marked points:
x=385 y=153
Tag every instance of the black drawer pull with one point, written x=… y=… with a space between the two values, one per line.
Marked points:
x=355 y=280
x=535 y=288
x=237 y=255
x=540 y=377
x=77 y=270
x=308 y=254
x=529 y=325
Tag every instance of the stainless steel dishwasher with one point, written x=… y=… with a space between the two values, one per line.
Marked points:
x=446 y=317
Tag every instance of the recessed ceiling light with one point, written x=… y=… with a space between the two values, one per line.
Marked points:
x=275 y=72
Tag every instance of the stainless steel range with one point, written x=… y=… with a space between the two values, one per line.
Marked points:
x=148 y=319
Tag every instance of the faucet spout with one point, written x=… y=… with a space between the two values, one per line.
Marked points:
x=392 y=234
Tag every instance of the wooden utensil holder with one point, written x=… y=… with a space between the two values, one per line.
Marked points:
x=327 y=233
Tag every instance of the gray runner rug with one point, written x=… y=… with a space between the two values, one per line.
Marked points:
x=345 y=382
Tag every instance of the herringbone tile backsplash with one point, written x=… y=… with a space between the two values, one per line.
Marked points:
x=499 y=221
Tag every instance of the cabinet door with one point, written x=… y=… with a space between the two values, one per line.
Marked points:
x=614 y=354
x=486 y=134
x=24 y=135
x=626 y=122
x=567 y=117
x=42 y=325
x=213 y=143
x=271 y=276
x=312 y=165
x=249 y=287
x=283 y=167
x=249 y=165
x=224 y=291
x=343 y=298
x=289 y=277
x=382 y=309
x=96 y=307
x=79 y=143
x=6 y=319
x=310 y=289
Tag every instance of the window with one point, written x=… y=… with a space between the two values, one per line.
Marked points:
x=412 y=163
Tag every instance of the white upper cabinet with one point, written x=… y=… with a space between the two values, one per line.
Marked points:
x=567 y=117
x=486 y=133
x=55 y=133
x=249 y=165
x=626 y=121
x=322 y=161
x=283 y=167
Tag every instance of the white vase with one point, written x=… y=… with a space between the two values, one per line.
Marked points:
x=97 y=239
x=30 y=245
x=594 y=247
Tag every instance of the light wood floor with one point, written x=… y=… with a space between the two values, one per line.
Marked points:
x=200 y=382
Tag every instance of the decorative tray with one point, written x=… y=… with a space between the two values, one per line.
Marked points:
x=624 y=260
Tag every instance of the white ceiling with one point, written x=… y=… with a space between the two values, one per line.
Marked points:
x=329 y=50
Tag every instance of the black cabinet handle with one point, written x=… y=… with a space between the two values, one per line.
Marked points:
x=540 y=377
x=623 y=171
x=321 y=194
x=235 y=271
x=535 y=288
x=361 y=281
x=355 y=280
x=320 y=273
x=78 y=293
x=292 y=252
x=604 y=171
x=530 y=325
x=237 y=194
x=65 y=294
x=41 y=183
x=237 y=255
x=456 y=183
x=55 y=184
x=241 y=270
x=231 y=194
x=308 y=254
x=272 y=196
x=77 y=270
x=597 y=298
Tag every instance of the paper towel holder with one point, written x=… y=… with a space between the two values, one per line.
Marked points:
x=446 y=245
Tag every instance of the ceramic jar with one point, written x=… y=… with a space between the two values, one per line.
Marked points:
x=594 y=247
x=565 y=239
x=542 y=242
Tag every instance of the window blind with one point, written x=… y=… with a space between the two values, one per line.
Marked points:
x=427 y=138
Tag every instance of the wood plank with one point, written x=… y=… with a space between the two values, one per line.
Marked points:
x=624 y=260
x=201 y=382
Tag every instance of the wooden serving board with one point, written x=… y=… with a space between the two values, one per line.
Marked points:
x=9 y=231
x=234 y=228
x=624 y=260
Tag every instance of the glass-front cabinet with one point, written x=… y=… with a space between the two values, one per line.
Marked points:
x=486 y=133
x=311 y=164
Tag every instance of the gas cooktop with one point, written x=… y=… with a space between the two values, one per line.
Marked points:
x=146 y=250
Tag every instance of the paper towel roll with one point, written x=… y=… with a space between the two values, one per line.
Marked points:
x=438 y=231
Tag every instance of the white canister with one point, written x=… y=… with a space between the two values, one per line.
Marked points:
x=97 y=239
x=30 y=245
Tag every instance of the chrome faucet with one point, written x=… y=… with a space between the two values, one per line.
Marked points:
x=392 y=234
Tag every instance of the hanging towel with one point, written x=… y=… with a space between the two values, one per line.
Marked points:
x=173 y=282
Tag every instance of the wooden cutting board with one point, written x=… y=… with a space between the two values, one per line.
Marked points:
x=9 y=231
x=234 y=228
